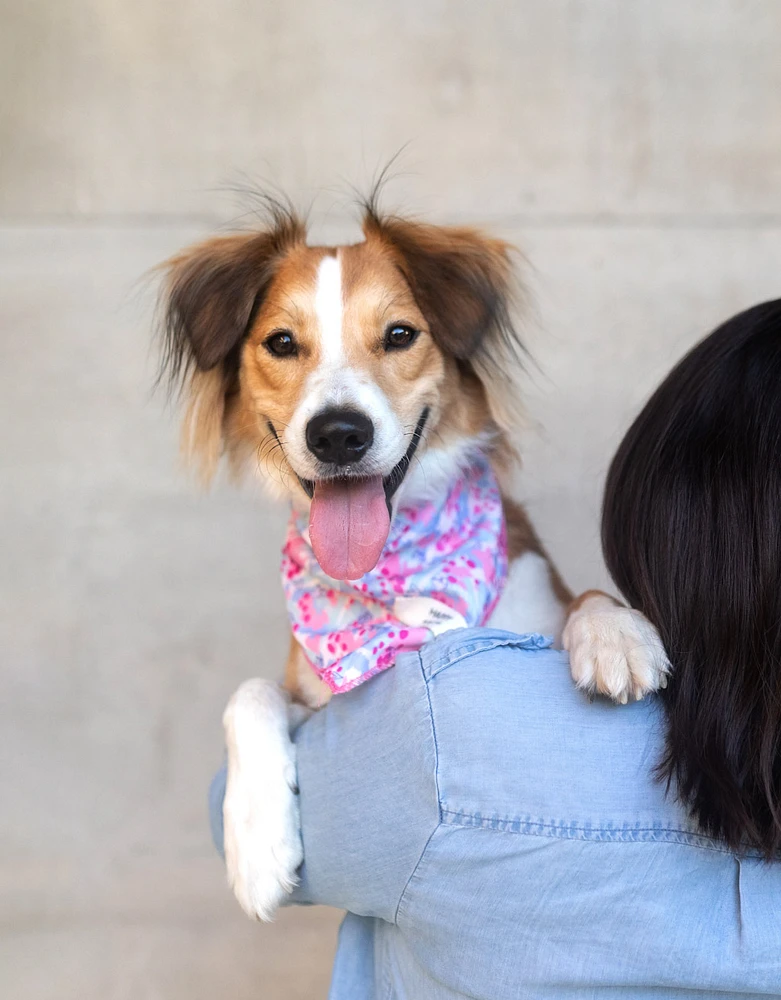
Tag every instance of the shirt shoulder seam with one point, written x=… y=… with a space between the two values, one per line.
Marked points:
x=531 y=642
x=436 y=790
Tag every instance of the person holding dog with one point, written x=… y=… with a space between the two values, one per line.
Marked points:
x=492 y=833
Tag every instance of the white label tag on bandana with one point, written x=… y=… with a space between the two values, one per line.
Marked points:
x=425 y=612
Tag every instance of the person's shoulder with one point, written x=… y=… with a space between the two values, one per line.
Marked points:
x=490 y=664
x=458 y=646
x=515 y=738
x=485 y=681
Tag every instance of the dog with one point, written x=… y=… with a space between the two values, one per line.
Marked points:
x=376 y=386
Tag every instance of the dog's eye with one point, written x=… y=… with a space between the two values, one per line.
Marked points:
x=281 y=344
x=399 y=335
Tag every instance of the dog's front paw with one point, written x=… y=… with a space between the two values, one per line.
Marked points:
x=614 y=650
x=263 y=848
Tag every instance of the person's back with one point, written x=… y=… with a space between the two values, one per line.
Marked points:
x=495 y=835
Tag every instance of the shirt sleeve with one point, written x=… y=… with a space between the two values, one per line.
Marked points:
x=368 y=794
x=369 y=802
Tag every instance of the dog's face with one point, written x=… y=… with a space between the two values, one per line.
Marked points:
x=341 y=363
x=336 y=367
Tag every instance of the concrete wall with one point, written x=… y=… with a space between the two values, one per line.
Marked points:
x=634 y=153
x=553 y=108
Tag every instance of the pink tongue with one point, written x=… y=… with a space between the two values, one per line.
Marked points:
x=348 y=526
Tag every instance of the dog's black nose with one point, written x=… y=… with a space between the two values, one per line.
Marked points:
x=340 y=437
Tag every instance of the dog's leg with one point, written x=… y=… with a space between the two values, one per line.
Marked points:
x=263 y=847
x=262 y=837
x=613 y=650
x=302 y=683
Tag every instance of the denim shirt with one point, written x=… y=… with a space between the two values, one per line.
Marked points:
x=494 y=835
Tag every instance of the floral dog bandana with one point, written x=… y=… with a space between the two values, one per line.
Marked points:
x=443 y=567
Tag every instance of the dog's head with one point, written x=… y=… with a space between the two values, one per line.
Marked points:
x=347 y=373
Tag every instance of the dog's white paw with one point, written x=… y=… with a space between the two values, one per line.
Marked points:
x=263 y=848
x=614 y=650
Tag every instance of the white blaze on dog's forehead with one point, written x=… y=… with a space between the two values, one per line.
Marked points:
x=333 y=382
x=329 y=308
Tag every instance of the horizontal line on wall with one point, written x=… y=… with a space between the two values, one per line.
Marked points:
x=528 y=220
x=577 y=220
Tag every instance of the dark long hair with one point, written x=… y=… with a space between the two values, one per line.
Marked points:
x=691 y=532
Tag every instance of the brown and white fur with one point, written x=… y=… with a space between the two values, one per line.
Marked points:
x=252 y=395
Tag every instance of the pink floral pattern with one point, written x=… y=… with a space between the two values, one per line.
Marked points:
x=453 y=551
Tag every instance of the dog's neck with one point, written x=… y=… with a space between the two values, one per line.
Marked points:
x=443 y=566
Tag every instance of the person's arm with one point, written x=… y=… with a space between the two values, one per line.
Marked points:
x=368 y=797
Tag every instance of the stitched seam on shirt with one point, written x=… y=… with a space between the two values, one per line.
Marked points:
x=386 y=972
x=479 y=646
x=593 y=834
x=436 y=786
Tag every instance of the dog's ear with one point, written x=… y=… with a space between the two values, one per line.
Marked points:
x=209 y=298
x=212 y=291
x=464 y=283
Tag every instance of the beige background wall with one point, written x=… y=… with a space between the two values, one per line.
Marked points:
x=632 y=150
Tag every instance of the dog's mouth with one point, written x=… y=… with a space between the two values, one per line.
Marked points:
x=349 y=517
